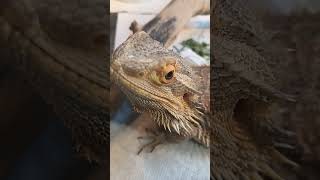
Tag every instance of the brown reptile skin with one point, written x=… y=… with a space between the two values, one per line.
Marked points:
x=60 y=48
x=242 y=94
x=240 y=143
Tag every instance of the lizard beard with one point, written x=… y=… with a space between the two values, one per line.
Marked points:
x=186 y=123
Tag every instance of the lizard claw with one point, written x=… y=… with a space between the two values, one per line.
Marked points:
x=152 y=145
x=158 y=138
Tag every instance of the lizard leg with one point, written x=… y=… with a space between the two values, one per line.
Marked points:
x=158 y=137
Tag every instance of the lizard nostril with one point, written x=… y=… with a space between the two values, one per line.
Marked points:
x=186 y=96
x=141 y=74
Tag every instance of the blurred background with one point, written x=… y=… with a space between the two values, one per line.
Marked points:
x=34 y=144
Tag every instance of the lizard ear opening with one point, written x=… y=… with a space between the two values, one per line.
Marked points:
x=241 y=111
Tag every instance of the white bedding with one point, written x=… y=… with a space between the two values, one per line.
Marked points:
x=185 y=160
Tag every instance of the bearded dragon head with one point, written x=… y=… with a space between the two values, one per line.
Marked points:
x=158 y=81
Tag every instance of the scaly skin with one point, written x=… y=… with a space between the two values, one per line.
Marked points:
x=59 y=48
x=139 y=66
x=241 y=142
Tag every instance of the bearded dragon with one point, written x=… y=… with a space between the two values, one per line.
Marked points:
x=157 y=81
x=160 y=82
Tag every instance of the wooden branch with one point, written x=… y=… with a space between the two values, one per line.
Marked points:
x=170 y=21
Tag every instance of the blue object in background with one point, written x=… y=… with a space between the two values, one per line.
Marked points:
x=199 y=22
x=124 y=114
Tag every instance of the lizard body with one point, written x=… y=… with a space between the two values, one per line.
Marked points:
x=158 y=81
x=164 y=87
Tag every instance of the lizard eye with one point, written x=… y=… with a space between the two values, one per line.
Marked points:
x=168 y=74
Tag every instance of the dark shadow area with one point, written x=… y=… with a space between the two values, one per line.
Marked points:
x=35 y=145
